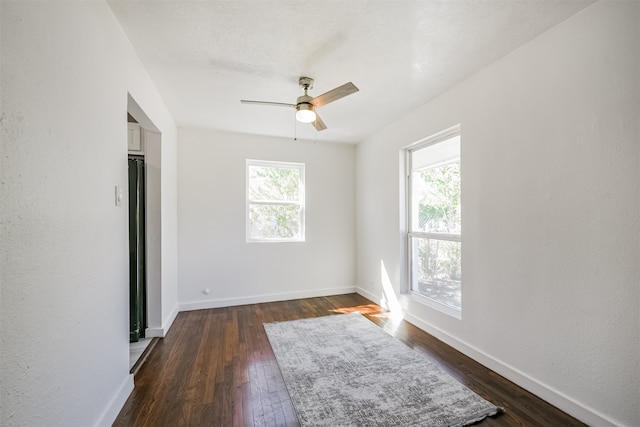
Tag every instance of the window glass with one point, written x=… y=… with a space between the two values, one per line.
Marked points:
x=275 y=201
x=268 y=183
x=437 y=195
x=435 y=221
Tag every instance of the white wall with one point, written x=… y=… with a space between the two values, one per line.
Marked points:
x=153 y=210
x=213 y=252
x=169 y=225
x=66 y=70
x=551 y=208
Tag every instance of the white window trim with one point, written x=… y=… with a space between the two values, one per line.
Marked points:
x=436 y=305
x=301 y=202
x=420 y=298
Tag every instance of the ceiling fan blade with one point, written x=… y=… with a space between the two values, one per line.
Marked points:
x=318 y=123
x=334 y=94
x=275 y=104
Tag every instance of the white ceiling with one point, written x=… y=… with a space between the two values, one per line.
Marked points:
x=204 y=56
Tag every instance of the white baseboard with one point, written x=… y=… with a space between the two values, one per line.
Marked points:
x=162 y=332
x=555 y=397
x=118 y=401
x=154 y=332
x=365 y=293
x=256 y=299
x=558 y=399
x=580 y=411
x=113 y=408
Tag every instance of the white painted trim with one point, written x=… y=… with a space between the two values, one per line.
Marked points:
x=161 y=332
x=435 y=305
x=154 y=332
x=565 y=403
x=574 y=408
x=113 y=408
x=371 y=296
x=301 y=200
x=580 y=411
x=256 y=299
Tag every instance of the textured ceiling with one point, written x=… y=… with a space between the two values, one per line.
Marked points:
x=204 y=56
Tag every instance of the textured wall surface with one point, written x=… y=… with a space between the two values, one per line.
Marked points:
x=550 y=211
x=66 y=70
x=213 y=252
x=551 y=214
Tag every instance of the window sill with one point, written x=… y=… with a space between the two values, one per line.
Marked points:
x=274 y=241
x=450 y=311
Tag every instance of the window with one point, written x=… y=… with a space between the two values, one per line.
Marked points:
x=275 y=201
x=434 y=221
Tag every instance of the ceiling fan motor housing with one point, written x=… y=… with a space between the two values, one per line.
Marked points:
x=304 y=109
x=304 y=99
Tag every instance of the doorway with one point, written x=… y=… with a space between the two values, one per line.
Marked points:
x=145 y=235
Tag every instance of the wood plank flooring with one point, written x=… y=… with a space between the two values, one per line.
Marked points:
x=216 y=368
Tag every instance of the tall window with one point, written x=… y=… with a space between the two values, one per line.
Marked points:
x=275 y=201
x=435 y=226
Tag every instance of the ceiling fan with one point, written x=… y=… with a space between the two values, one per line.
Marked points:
x=306 y=105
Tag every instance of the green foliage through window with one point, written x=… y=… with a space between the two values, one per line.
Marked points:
x=275 y=201
x=435 y=228
x=439 y=199
x=274 y=183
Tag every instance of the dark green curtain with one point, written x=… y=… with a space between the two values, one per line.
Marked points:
x=137 y=282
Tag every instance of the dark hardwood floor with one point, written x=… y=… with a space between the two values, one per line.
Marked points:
x=216 y=368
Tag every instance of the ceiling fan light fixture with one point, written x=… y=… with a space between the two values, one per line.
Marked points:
x=306 y=105
x=305 y=113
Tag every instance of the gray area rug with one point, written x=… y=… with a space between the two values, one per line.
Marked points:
x=343 y=370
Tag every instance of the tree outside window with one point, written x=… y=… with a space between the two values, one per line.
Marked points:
x=275 y=201
x=435 y=226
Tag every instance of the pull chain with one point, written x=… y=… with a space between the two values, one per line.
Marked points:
x=295 y=128
x=315 y=135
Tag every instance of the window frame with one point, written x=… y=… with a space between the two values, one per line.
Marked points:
x=249 y=202
x=410 y=234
